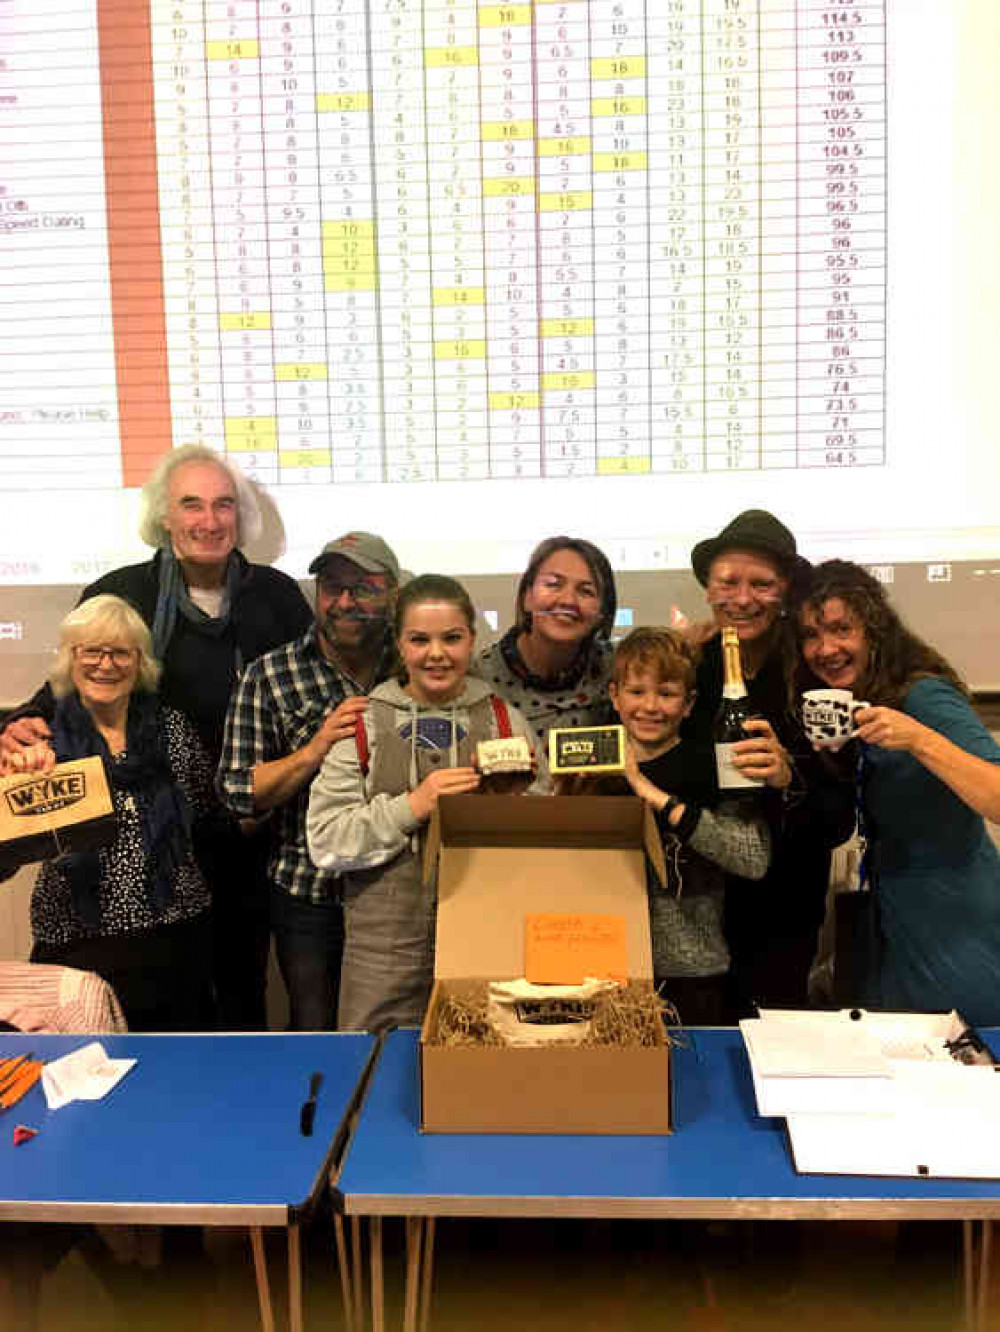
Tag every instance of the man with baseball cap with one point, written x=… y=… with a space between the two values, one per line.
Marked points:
x=290 y=706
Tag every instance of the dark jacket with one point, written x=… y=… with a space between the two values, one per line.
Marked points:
x=815 y=815
x=199 y=671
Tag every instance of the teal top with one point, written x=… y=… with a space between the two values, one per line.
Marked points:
x=936 y=870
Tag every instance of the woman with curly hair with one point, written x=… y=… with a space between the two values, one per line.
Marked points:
x=928 y=776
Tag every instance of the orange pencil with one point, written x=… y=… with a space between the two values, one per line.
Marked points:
x=21 y=1086
x=12 y=1070
x=9 y=1064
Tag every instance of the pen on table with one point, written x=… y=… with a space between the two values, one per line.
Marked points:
x=308 y=1111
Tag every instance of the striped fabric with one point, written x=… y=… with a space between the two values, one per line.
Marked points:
x=37 y=997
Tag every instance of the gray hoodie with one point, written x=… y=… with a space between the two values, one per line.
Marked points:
x=347 y=827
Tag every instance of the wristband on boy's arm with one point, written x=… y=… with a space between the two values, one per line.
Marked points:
x=687 y=823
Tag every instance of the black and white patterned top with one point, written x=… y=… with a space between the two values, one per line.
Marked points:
x=124 y=902
x=577 y=698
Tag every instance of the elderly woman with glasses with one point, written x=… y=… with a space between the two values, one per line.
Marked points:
x=137 y=911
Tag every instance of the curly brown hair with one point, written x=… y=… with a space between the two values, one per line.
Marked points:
x=897 y=656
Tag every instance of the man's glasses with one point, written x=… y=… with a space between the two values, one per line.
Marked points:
x=93 y=656
x=362 y=591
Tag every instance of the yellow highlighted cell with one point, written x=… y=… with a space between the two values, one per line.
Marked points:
x=451 y=57
x=511 y=402
x=345 y=261
x=304 y=457
x=574 y=202
x=504 y=16
x=459 y=296
x=243 y=49
x=563 y=147
x=497 y=187
x=622 y=466
x=504 y=131
x=568 y=379
x=366 y=281
x=618 y=106
x=462 y=349
x=345 y=101
x=618 y=67
x=353 y=228
x=292 y=370
x=240 y=323
x=567 y=328
x=244 y=434
x=351 y=254
x=620 y=161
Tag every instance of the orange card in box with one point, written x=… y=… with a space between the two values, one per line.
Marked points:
x=566 y=949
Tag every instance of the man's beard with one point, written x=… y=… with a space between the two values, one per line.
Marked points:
x=371 y=630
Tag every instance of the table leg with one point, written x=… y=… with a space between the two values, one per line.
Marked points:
x=427 y=1275
x=378 y=1287
x=977 y=1244
x=359 y=1284
x=346 y=1276
x=968 y=1271
x=263 y=1285
x=986 y=1244
x=414 y=1246
x=294 y=1280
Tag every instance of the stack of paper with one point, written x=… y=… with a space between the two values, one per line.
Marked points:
x=876 y=1093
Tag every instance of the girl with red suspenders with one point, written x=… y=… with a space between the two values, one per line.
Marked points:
x=374 y=795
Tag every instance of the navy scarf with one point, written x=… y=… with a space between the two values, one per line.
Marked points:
x=142 y=771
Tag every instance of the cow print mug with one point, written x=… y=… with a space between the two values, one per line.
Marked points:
x=828 y=716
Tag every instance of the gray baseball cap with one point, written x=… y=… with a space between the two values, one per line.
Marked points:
x=367 y=551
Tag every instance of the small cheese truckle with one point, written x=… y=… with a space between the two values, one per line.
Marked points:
x=586 y=749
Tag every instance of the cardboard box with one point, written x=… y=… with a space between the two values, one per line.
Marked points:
x=45 y=814
x=498 y=858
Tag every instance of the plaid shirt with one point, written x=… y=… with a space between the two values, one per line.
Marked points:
x=279 y=704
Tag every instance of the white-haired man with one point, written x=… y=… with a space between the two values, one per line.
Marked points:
x=211 y=613
x=290 y=706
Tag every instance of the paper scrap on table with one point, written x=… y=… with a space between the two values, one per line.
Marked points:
x=86 y=1074
x=564 y=948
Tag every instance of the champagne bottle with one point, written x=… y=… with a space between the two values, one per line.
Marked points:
x=733 y=711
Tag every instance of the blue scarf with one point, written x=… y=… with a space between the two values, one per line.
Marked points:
x=143 y=771
x=173 y=599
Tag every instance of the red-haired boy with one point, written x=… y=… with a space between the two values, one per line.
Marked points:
x=704 y=837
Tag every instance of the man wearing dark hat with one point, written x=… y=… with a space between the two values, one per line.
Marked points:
x=289 y=708
x=771 y=925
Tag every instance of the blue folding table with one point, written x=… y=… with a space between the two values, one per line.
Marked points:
x=723 y=1161
x=204 y=1130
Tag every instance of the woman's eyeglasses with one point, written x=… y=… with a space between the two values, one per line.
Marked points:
x=93 y=656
